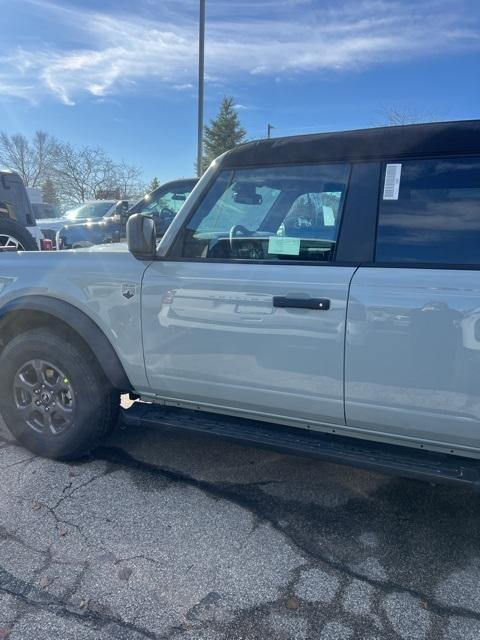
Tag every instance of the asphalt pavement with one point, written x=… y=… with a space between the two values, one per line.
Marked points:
x=167 y=536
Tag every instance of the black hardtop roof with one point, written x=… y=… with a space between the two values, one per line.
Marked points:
x=9 y=173
x=413 y=140
x=181 y=182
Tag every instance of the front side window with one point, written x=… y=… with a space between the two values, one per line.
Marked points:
x=270 y=213
x=433 y=216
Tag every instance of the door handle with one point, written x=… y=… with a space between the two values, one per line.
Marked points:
x=318 y=304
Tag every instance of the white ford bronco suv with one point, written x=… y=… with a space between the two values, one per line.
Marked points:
x=316 y=294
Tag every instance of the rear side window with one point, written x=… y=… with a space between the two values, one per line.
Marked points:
x=289 y=213
x=432 y=216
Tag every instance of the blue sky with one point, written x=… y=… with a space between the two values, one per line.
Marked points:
x=121 y=74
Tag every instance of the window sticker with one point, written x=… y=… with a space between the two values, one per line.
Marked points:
x=391 y=187
x=283 y=245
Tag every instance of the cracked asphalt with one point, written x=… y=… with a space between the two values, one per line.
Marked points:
x=168 y=536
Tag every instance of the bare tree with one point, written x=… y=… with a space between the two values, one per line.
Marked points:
x=75 y=174
x=34 y=160
x=128 y=180
x=397 y=116
x=88 y=173
x=82 y=173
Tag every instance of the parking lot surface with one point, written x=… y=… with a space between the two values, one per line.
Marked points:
x=170 y=536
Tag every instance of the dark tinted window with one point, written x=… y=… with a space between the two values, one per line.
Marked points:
x=270 y=213
x=435 y=218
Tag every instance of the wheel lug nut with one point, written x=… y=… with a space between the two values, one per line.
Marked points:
x=37 y=403
x=46 y=409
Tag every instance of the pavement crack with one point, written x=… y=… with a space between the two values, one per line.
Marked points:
x=67 y=487
x=232 y=493
x=61 y=521
x=12 y=535
x=67 y=496
x=140 y=557
x=25 y=593
x=19 y=462
x=77 y=582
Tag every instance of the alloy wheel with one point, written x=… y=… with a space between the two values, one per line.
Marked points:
x=9 y=243
x=44 y=397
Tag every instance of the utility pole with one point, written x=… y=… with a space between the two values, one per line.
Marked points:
x=269 y=130
x=201 y=85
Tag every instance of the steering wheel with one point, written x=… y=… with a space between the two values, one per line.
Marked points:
x=233 y=231
x=165 y=211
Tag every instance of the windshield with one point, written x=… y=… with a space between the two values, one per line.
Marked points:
x=43 y=211
x=161 y=202
x=89 y=210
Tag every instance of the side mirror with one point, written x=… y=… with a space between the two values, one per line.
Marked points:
x=141 y=237
x=121 y=208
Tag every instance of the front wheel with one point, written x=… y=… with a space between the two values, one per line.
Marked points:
x=54 y=397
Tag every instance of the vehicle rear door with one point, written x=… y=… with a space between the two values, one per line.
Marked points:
x=413 y=334
x=247 y=314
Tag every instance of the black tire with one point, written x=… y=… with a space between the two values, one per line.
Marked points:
x=17 y=233
x=94 y=408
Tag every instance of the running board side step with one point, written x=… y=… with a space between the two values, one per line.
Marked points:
x=384 y=458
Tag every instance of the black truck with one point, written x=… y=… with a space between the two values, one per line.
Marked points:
x=18 y=227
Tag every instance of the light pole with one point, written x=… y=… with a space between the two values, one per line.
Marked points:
x=269 y=130
x=201 y=85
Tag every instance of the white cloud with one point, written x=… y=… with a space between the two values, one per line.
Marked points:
x=245 y=107
x=186 y=86
x=118 y=52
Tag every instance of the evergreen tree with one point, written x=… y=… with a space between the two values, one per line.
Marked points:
x=49 y=193
x=224 y=133
x=154 y=184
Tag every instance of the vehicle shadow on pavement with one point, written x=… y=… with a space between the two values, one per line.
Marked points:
x=172 y=535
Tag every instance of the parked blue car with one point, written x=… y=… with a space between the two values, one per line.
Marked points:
x=163 y=204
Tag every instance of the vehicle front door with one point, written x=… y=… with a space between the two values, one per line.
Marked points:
x=247 y=313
